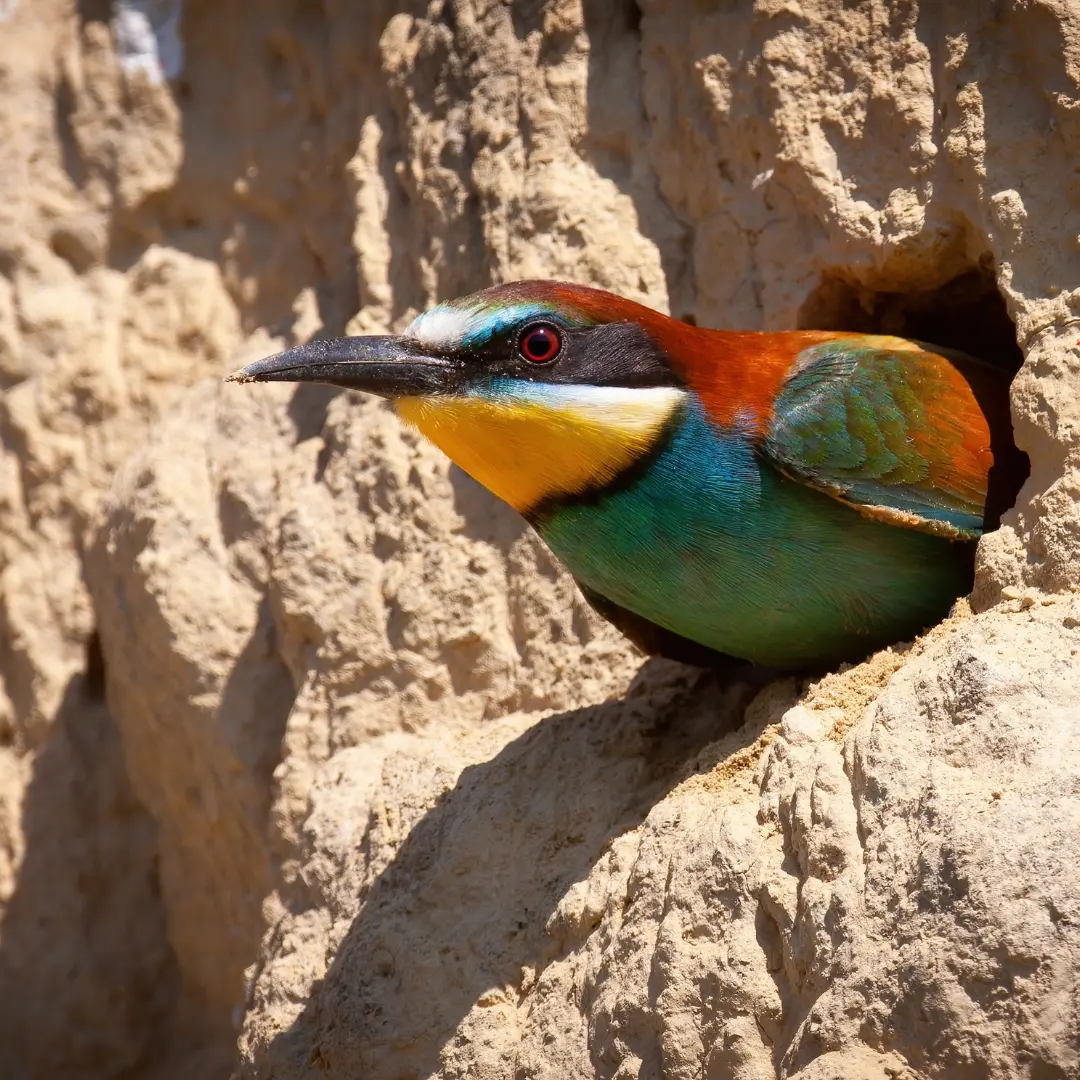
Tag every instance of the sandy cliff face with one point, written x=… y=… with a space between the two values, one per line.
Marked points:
x=305 y=738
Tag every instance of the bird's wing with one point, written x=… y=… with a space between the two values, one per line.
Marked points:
x=889 y=427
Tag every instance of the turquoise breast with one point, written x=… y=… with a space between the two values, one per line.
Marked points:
x=712 y=543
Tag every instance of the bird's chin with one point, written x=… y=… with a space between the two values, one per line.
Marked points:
x=390 y=367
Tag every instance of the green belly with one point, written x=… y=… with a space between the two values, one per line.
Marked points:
x=713 y=544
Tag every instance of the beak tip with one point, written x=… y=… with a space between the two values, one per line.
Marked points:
x=378 y=365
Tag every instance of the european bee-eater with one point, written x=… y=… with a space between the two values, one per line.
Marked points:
x=793 y=499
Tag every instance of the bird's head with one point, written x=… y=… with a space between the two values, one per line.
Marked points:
x=539 y=390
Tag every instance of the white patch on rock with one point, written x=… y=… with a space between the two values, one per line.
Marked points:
x=147 y=36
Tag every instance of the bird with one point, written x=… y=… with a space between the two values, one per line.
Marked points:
x=788 y=500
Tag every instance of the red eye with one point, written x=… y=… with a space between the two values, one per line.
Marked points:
x=540 y=344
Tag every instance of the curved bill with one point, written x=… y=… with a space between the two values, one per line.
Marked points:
x=388 y=366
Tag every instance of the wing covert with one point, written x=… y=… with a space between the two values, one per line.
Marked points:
x=890 y=427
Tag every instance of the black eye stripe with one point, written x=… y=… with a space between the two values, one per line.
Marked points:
x=607 y=354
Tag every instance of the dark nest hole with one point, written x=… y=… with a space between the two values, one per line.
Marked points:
x=967 y=313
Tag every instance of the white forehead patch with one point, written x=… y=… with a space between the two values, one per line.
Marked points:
x=442 y=326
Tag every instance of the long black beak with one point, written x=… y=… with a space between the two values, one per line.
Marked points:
x=388 y=366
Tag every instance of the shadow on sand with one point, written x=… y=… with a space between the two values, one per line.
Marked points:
x=466 y=903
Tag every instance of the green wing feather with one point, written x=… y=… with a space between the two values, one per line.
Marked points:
x=892 y=428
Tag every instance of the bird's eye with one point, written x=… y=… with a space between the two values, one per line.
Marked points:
x=540 y=343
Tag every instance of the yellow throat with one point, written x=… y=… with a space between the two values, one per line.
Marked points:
x=526 y=442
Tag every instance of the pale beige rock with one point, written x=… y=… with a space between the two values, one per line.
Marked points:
x=126 y=273
x=836 y=899
x=247 y=561
x=737 y=931
x=87 y=979
x=358 y=735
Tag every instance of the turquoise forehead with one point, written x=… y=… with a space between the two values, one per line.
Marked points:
x=473 y=327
